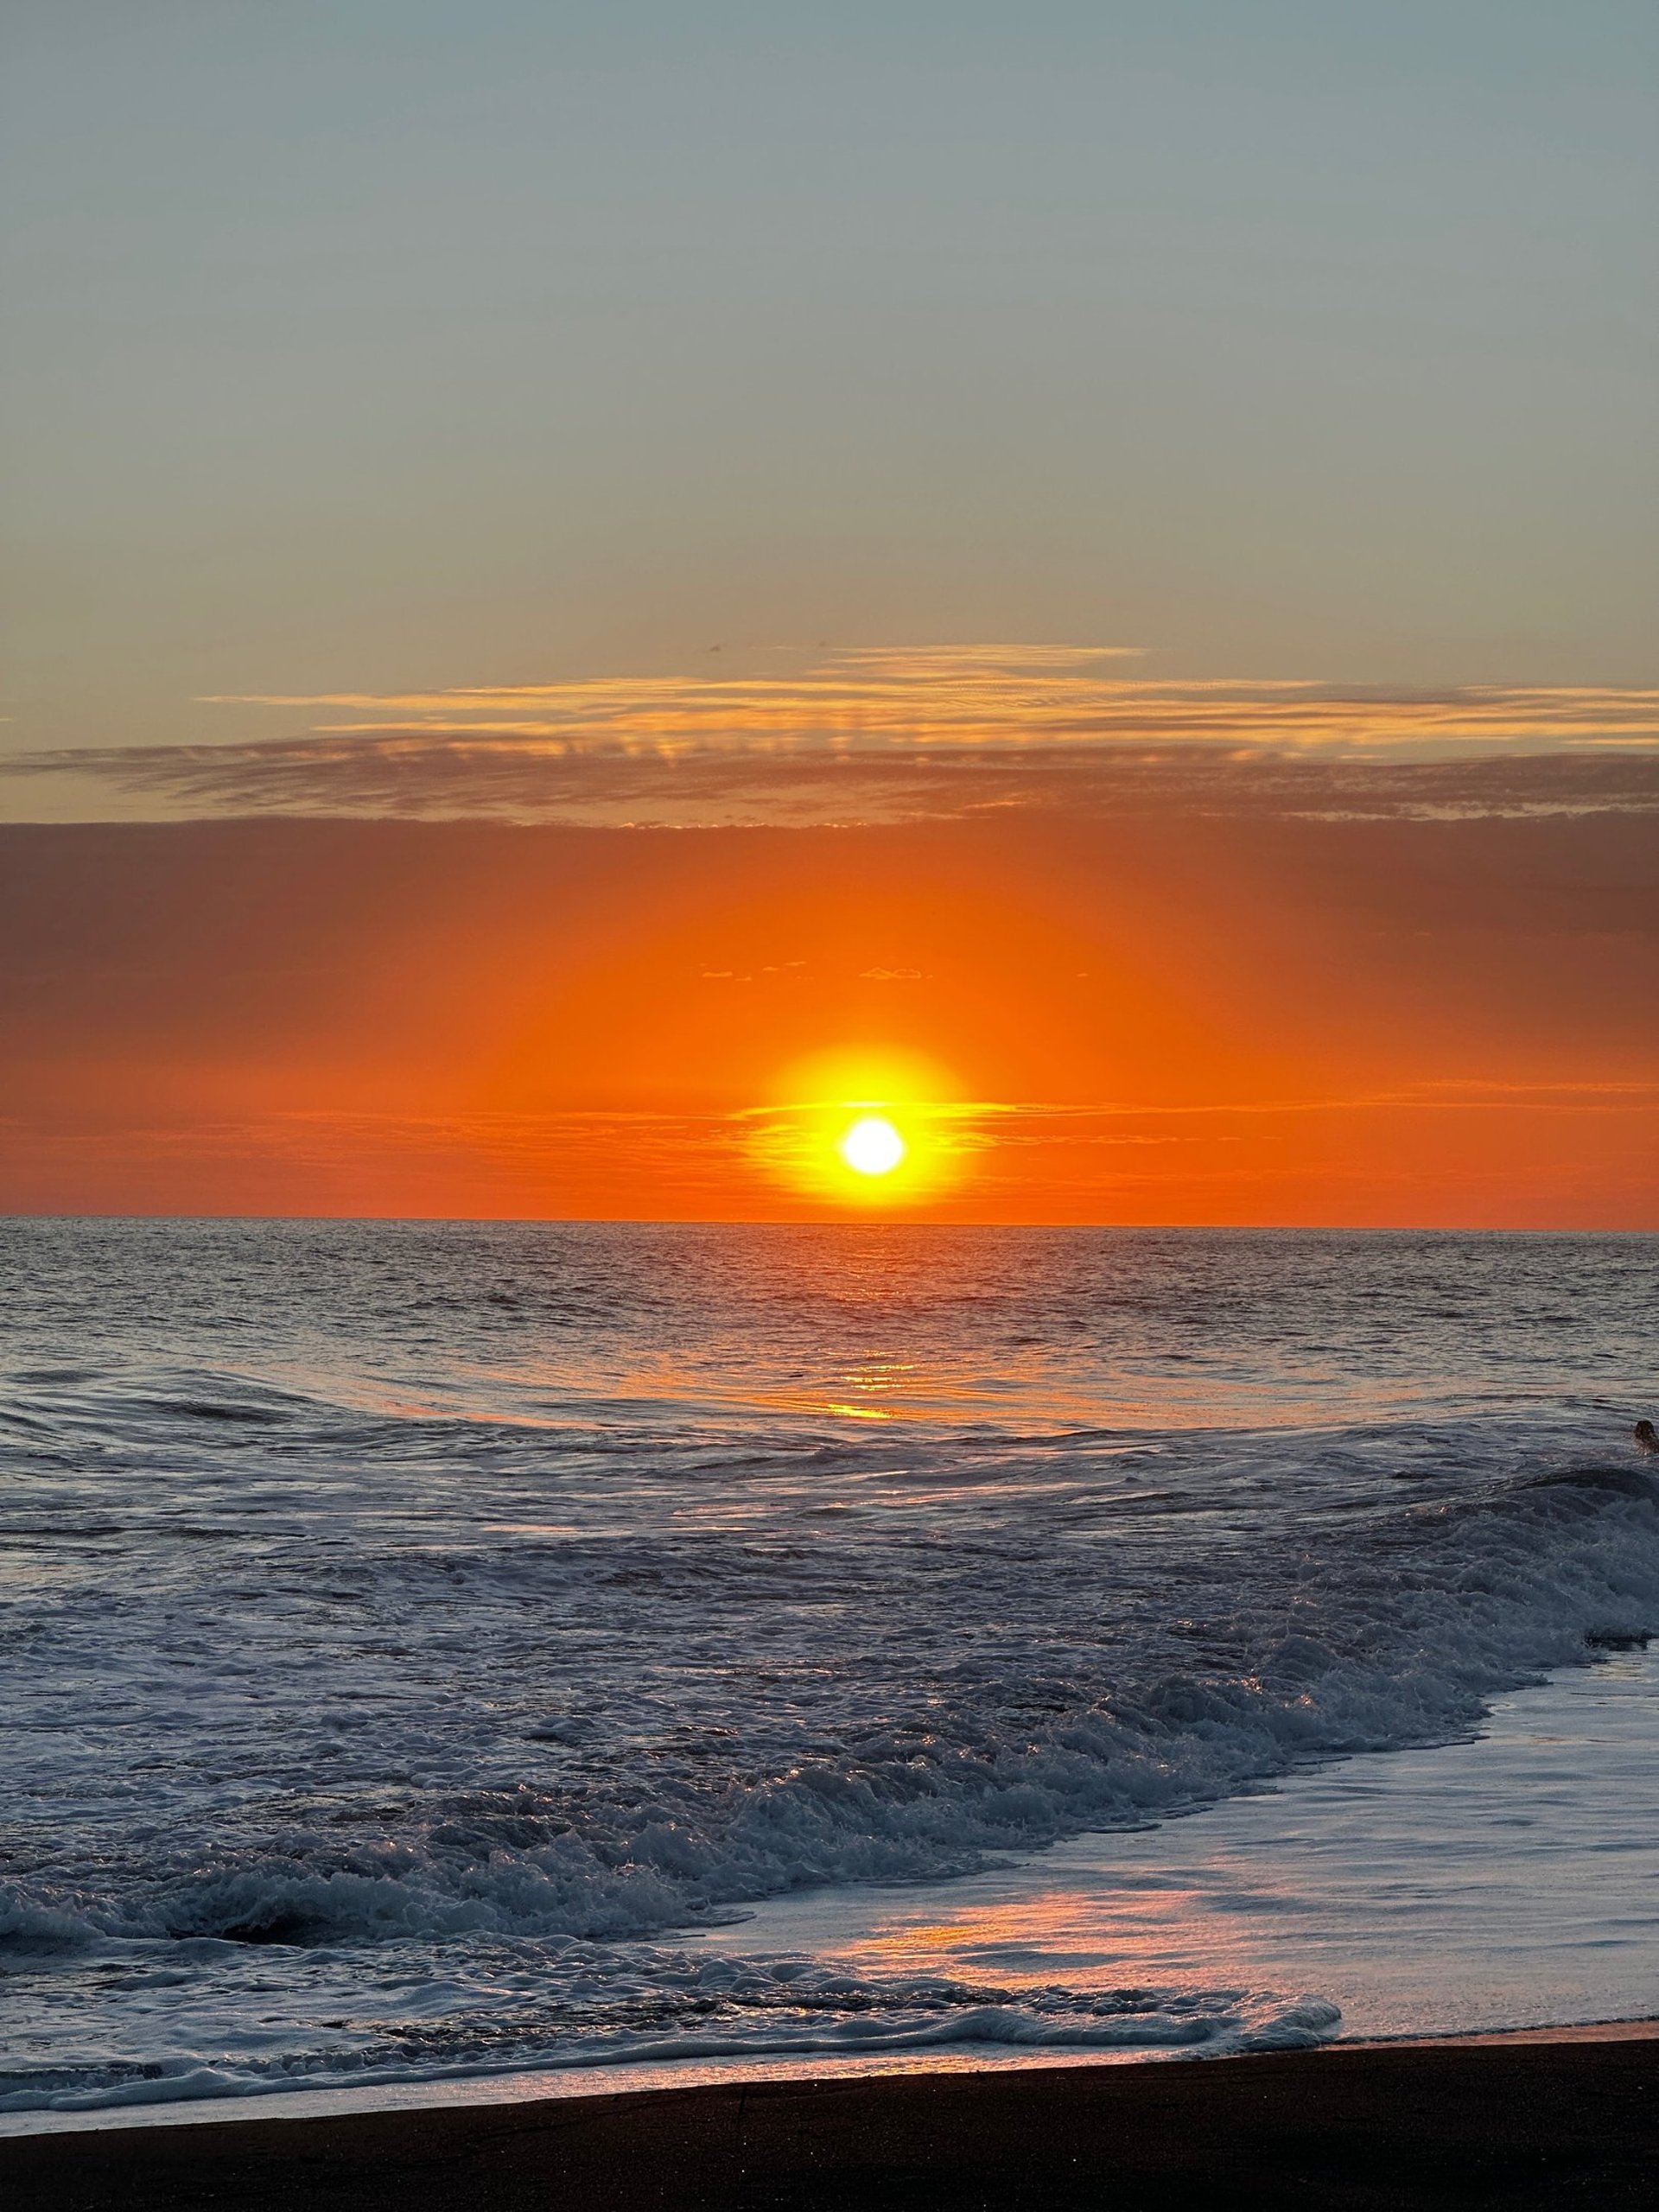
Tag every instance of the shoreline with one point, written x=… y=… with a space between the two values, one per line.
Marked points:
x=663 y=2078
x=1520 y=2117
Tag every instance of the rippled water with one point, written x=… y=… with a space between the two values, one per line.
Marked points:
x=410 y=1632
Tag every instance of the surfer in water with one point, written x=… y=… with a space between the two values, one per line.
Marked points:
x=1645 y=1439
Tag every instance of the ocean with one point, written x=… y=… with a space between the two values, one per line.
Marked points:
x=435 y=1651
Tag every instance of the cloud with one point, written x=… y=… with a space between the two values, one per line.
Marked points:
x=892 y=735
x=998 y=696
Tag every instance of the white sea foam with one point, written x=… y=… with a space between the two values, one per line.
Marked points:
x=569 y=2005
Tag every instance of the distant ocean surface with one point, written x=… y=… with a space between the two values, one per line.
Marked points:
x=416 y=1638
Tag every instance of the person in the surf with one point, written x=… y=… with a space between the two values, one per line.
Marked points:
x=1646 y=1440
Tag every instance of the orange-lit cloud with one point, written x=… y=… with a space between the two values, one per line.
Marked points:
x=897 y=735
x=990 y=695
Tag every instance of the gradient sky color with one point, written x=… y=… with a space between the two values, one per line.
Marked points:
x=562 y=560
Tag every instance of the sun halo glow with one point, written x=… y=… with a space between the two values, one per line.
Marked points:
x=865 y=1129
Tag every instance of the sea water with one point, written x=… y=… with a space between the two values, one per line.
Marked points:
x=431 y=1650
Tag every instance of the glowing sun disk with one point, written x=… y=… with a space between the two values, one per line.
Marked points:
x=872 y=1146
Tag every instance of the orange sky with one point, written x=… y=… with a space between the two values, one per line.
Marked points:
x=565 y=568
x=1164 y=1012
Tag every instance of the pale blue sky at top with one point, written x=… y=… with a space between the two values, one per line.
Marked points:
x=411 y=343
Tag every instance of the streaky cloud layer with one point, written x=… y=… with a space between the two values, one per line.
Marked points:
x=892 y=735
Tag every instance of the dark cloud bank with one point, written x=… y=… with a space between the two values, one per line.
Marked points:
x=409 y=776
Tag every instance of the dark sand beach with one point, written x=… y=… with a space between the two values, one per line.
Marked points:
x=1561 y=2118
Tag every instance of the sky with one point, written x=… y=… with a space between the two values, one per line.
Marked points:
x=585 y=586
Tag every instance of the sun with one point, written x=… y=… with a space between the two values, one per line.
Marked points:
x=872 y=1146
x=874 y=1129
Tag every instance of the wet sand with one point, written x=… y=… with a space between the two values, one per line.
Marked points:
x=1550 y=2119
